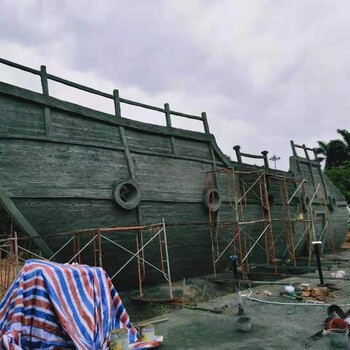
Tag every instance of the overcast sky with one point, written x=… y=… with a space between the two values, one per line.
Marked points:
x=266 y=72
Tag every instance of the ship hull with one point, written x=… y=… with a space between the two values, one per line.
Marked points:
x=61 y=162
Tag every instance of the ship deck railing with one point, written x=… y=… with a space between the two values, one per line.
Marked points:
x=45 y=77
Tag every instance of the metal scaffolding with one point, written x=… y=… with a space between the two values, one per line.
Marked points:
x=96 y=236
x=238 y=185
x=13 y=255
x=315 y=191
x=260 y=211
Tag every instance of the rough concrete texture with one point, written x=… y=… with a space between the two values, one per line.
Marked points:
x=273 y=326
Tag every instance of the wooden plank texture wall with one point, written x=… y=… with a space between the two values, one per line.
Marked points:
x=59 y=172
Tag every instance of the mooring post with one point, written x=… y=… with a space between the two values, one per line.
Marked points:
x=116 y=100
x=237 y=149
x=316 y=245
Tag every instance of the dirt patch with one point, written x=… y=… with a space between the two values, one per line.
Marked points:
x=194 y=292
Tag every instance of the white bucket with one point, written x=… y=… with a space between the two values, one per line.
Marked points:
x=243 y=324
x=119 y=339
x=339 y=337
x=147 y=333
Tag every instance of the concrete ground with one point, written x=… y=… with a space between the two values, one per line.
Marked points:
x=274 y=326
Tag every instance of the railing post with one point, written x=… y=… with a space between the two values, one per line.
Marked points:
x=168 y=124
x=293 y=148
x=306 y=152
x=44 y=83
x=47 y=111
x=205 y=123
x=266 y=161
x=167 y=115
x=117 y=103
x=237 y=149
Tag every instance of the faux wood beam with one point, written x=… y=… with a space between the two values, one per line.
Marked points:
x=22 y=223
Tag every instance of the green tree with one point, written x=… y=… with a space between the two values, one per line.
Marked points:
x=340 y=176
x=337 y=165
x=335 y=152
x=346 y=137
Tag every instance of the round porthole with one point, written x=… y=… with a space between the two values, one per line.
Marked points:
x=332 y=202
x=127 y=194
x=212 y=199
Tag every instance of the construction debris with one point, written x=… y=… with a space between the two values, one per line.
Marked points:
x=338 y=274
x=268 y=293
x=318 y=293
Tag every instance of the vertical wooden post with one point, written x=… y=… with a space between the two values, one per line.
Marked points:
x=44 y=83
x=168 y=124
x=47 y=111
x=129 y=160
x=167 y=115
x=306 y=153
x=296 y=156
x=205 y=123
x=237 y=149
x=212 y=154
x=266 y=162
x=117 y=108
x=293 y=148
x=309 y=165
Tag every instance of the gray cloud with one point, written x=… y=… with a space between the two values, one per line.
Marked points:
x=265 y=71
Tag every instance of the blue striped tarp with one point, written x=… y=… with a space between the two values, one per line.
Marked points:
x=56 y=306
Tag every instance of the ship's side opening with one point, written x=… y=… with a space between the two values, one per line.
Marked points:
x=127 y=194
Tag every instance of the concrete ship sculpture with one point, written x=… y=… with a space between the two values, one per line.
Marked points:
x=65 y=168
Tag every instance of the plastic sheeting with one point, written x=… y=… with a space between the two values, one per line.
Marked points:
x=56 y=306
